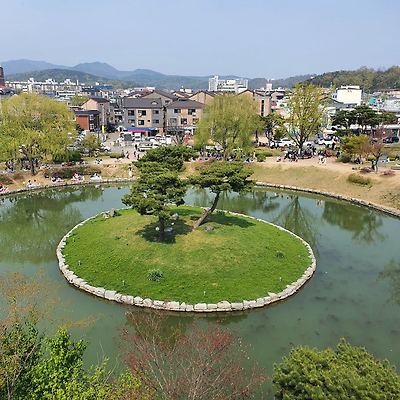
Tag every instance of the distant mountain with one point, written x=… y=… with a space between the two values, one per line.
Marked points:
x=286 y=83
x=20 y=66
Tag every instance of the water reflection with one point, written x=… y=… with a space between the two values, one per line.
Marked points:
x=392 y=272
x=300 y=220
x=362 y=222
x=32 y=224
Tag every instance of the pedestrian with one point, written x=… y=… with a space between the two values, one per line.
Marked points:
x=397 y=157
x=373 y=164
x=130 y=171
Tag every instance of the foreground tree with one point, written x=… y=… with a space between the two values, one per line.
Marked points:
x=222 y=177
x=154 y=191
x=347 y=373
x=229 y=121
x=195 y=363
x=35 y=127
x=306 y=113
x=37 y=364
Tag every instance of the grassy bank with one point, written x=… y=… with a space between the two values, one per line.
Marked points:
x=241 y=259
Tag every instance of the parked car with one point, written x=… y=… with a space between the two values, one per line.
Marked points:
x=285 y=142
x=391 y=139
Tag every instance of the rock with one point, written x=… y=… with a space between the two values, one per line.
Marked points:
x=105 y=216
x=237 y=306
x=138 y=301
x=224 y=305
x=189 y=307
x=172 y=305
x=110 y=294
x=169 y=231
x=252 y=304
x=208 y=228
x=175 y=217
x=158 y=304
x=260 y=302
x=212 y=307
x=112 y=213
x=148 y=302
x=246 y=304
x=200 y=307
x=182 y=307
x=99 y=291
x=129 y=300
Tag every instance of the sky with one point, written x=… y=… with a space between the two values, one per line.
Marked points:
x=253 y=38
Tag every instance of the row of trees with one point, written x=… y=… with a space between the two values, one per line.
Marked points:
x=163 y=361
x=365 y=117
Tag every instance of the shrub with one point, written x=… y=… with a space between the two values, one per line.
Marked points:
x=261 y=157
x=359 y=179
x=279 y=254
x=67 y=156
x=115 y=156
x=154 y=275
x=268 y=154
x=345 y=159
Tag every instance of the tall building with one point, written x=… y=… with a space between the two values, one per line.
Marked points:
x=227 y=85
x=2 y=80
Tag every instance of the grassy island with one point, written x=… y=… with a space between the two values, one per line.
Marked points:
x=240 y=259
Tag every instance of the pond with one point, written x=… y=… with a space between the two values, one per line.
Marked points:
x=355 y=292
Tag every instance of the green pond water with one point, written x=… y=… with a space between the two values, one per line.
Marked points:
x=355 y=292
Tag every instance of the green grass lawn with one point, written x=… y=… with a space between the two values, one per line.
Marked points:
x=237 y=261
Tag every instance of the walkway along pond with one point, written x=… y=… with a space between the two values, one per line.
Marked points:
x=354 y=293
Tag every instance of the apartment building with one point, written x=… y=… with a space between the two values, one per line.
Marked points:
x=143 y=112
x=183 y=115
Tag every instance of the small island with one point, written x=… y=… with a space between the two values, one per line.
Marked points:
x=233 y=259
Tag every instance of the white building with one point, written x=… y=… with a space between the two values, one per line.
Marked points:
x=227 y=85
x=348 y=95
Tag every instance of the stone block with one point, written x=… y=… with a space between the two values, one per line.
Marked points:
x=110 y=294
x=138 y=301
x=182 y=307
x=99 y=291
x=267 y=300
x=172 y=305
x=224 y=306
x=251 y=305
x=260 y=302
x=189 y=307
x=200 y=307
x=118 y=297
x=212 y=307
x=148 y=302
x=246 y=304
x=158 y=304
x=237 y=306
x=129 y=300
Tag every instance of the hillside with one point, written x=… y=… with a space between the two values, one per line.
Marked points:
x=367 y=78
x=286 y=83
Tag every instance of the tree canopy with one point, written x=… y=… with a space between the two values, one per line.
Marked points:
x=156 y=188
x=34 y=127
x=219 y=177
x=345 y=373
x=306 y=113
x=229 y=121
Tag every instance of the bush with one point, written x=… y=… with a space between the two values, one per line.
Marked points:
x=67 y=156
x=268 y=154
x=279 y=254
x=359 y=179
x=261 y=157
x=154 y=275
x=116 y=156
x=345 y=159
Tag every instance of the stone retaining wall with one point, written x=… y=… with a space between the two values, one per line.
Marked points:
x=175 y=305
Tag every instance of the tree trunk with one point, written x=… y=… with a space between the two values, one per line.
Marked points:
x=32 y=164
x=207 y=212
x=161 y=232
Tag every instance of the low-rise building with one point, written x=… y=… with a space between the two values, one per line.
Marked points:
x=88 y=119
x=183 y=115
x=350 y=95
x=102 y=105
x=143 y=112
